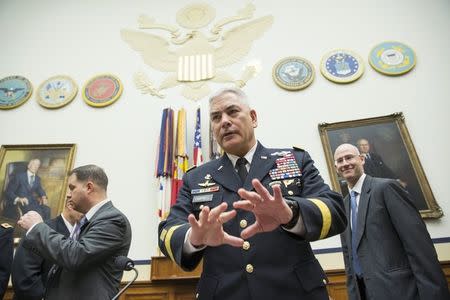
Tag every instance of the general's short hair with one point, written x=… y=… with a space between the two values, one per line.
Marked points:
x=93 y=173
x=242 y=97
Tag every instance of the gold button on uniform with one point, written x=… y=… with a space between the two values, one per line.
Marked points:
x=243 y=223
x=246 y=245
x=291 y=193
x=249 y=268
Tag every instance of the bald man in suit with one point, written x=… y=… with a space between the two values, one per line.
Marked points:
x=388 y=252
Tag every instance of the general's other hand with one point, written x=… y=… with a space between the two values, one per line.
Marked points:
x=208 y=229
x=270 y=211
x=29 y=219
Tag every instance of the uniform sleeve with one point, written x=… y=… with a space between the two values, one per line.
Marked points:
x=172 y=231
x=321 y=209
x=411 y=229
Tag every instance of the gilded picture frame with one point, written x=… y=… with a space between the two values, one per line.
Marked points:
x=391 y=154
x=37 y=173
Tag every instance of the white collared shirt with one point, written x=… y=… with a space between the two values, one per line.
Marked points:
x=69 y=226
x=95 y=208
x=249 y=157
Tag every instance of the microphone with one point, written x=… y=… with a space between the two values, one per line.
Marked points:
x=126 y=264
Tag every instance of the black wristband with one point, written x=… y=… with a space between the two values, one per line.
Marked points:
x=293 y=205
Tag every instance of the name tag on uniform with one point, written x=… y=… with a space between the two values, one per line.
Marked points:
x=202 y=198
x=205 y=190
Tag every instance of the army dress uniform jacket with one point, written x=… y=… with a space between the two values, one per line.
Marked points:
x=272 y=265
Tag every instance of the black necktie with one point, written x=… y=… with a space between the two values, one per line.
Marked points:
x=241 y=168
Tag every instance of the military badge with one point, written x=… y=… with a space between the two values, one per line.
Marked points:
x=207 y=182
x=14 y=91
x=342 y=66
x=102 y=90
x=293 y=73
x=286 y=168
x=211 y=189
x=57 y=91
x=392 y=58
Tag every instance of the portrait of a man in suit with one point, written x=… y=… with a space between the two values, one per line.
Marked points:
x=24 y=192
x=33 y=178
x=374 y=165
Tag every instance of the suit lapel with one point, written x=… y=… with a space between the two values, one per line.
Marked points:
x=363 y=207
x=61 y=226
x=348 y=233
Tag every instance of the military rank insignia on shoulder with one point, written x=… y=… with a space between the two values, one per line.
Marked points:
x=6 y=225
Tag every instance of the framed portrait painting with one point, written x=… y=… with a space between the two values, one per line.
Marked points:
x=33 y=177
x=389 y=153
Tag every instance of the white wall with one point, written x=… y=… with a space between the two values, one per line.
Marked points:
x=44 y=38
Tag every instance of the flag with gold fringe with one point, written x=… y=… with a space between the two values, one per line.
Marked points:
x=180 y=162
x=164 y=161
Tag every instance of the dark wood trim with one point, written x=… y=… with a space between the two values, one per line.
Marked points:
x=165 y=287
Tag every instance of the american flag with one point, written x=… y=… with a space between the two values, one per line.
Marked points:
x=198 y=157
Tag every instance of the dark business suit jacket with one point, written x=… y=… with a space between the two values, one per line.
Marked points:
x=277 y=264
x=396 y=253
x=29 y=271
x=375 y=167
x=20 y=187
x=86 y=267
x=6 y=256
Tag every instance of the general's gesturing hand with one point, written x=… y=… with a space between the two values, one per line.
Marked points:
x=208 y=229
x=270 y=211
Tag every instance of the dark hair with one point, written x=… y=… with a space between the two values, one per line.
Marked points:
x=93 y=173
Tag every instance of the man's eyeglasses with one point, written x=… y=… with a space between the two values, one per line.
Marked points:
x=348 y=158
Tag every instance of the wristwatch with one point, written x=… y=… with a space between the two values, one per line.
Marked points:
x=293 y=205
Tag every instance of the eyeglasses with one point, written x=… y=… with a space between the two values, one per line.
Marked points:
x=348 y=158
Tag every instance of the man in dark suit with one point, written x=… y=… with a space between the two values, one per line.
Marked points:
x=388 y=252
x=29 y=270
x=374 y=164
x=6 y=255
x=25 y=191
x=251 y=220
x=86 y=265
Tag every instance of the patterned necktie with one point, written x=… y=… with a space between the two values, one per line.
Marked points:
x=76 y=231
x=241 y=168
x=354 y=220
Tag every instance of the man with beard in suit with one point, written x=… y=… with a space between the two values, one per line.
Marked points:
x=86 y=267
